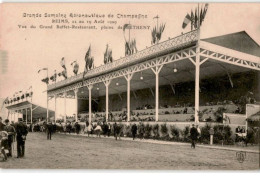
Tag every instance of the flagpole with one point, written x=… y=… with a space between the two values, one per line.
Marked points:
x=47 y=118
x=129 y=33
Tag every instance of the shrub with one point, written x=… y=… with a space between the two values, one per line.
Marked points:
x=205 y=136
x=156 y=131
x=175 y=132
x=186 y=133
x=147 y=131
x=164 y=130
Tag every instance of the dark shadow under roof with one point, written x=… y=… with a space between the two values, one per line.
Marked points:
x=239 y=41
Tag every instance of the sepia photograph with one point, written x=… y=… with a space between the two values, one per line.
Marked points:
x=130 y=86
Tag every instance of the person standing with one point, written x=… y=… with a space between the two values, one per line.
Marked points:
x=141 y=131
x=134 y=130
x=1 y=124
x=11 y=133
x=199 y=133
x=77 y=127
x=116 y=130
x=22 y=132
x=108 y=129
x=49 y=130
x=98 y=130
x=90 y=128
x=193 y=135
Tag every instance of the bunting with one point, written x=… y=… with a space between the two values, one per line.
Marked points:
x=186 y=21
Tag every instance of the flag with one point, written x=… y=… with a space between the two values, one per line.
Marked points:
x=76 y=68
x=64 y=73
x=42 y=69
x=59 y=74
x=192 y=18
x=204 y=12
x=196 y=19
x=186 y=21
x=126 y=26
x=22 y=97
x=46 y=80
x=87 y=59
x=62 y=63
x=53 y=77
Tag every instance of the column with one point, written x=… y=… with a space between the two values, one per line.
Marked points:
x=65 y=118
x=128 y=78
x=89 y=102
x=26 y=115
x=107 y=83
x=31 y=114
x=47 y=118
x=76 y=99
x=156 y=71
x=197 y=88
x=55 y=106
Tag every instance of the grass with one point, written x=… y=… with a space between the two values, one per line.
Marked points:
x=78 y=152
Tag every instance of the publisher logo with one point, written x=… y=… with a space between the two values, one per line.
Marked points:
x=241 y=156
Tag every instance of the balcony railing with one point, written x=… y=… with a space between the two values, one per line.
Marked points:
x=171 y=44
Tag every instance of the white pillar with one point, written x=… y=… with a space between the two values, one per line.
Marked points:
x=31 y=114
x=47 y=118
x=89 y=103
x=76 y=99
x=26 y=115
x=107 y=82
x=55 y=105
x=65 y=114
x=128 y=78
x=197 y=88
x=156 y=71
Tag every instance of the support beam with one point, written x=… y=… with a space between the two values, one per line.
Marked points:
x=55 y=111
x=26 y=116
x=128 y=78
x=173 y=88
x=151 y=91
x=107 y=83
x=156 y=71
x=31 y=114
x=47 y=108
x=65 y=112
x=89 y=102
x=76 y=99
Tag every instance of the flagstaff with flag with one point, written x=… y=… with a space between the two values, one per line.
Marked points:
x=46 y=80
x=157 y=31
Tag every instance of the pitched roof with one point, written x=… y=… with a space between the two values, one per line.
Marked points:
x=239 y=41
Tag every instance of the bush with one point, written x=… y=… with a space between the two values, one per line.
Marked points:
x=175 y=132
x=186 y=134
x=205 y=136
x=156 y=131
x=164 y=130
x=147 y=131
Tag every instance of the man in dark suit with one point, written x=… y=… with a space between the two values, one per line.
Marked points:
x=11 y=133
x=134 y=130
x=22 y=131
x=193 y=135
x=49 y=130
x=1 y=124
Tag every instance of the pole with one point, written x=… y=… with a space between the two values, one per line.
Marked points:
x=197 y=73
x=107 y=98
x=65 y=115
x=47 y=99
x=31 y=114
x=55 y=101
x=128 y=99
x=26 y=115
x=76 y=99
x=89 y=103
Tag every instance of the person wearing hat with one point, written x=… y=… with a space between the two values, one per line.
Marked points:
x=1 y=124
x=49 y=128
x=22 y=132
x=193 y=135
x=11 y=133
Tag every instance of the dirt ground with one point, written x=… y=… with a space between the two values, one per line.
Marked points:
x=78 y=152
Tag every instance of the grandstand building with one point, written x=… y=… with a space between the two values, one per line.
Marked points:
x=182 y=80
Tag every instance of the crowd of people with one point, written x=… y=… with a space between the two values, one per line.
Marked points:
x=13 y=132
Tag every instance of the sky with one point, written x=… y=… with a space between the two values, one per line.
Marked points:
x=29 y=50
